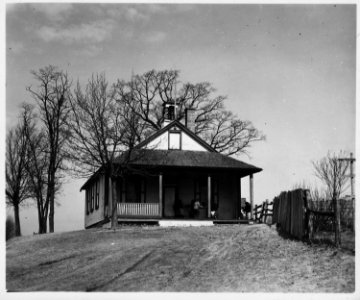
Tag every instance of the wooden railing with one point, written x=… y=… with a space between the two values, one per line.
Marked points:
x=138 y=209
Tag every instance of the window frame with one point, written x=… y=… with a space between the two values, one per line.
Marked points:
x=92 y=198
x=87 y=197
x=97 y=194
x=173 y=132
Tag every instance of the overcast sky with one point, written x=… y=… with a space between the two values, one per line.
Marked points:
x=290 y=69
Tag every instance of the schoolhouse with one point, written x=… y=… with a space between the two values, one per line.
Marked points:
x=176 y=176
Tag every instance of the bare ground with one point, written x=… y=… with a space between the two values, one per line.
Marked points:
x=232 y=258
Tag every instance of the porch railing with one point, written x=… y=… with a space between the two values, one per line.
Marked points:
x=138 y=209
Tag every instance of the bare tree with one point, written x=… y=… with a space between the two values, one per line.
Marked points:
x=332 y=172
x=37 y=165
x=51 y=95
x=102 y=128
x=17 y=179
x=223 y=130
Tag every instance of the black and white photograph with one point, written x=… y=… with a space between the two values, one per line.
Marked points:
x=158 y=148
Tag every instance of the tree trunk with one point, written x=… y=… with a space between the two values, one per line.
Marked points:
x=336 y=204
x=51 y=195
x=39 y=215
x=44 y=225
x=51 y=215
x=42 y=216
x=17 y=220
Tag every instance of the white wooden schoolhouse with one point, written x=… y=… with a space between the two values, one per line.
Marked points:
x=176 y=168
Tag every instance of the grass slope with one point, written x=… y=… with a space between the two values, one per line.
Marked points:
x=203 y=259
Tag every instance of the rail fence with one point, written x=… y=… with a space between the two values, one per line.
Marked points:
x=263 y=212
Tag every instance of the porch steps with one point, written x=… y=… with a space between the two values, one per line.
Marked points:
x=185 y=223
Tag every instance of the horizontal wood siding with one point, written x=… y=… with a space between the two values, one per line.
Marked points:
x=138 y=209
x=97 y=214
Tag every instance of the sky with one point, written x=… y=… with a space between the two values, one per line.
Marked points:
x=289 y=69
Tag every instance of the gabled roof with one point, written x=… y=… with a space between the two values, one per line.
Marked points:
x=187 y=159
x=152 y=158
x=183 y=128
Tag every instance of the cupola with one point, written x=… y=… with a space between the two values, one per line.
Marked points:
x=170 y=111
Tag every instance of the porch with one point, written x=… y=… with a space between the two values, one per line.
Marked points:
x=170 y=195
x=176 y=222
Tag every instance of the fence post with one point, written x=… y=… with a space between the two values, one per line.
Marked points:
x=255 y=212
x=266 y=210
x=262 y=212
x=336 y=202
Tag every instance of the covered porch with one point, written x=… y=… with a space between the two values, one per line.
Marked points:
x=170 y=194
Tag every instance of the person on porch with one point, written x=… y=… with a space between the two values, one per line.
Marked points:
x=196 y=208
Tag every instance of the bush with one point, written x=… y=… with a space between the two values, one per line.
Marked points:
x=10 y=227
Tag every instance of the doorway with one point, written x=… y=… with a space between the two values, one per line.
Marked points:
x=169 y=201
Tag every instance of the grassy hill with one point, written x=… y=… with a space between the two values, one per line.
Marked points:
x=242 y=258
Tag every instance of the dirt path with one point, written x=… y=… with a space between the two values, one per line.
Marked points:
x=207 y=259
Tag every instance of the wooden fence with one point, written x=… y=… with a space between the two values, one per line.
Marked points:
x=298 y=215
x=289 y=212
x=263 y=212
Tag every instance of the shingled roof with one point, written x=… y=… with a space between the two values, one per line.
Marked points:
x=188 y=159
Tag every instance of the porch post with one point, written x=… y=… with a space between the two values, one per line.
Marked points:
x=209 y=196
x=110 y=197
x=160 y=194
x=239 y=202
x=251 y=181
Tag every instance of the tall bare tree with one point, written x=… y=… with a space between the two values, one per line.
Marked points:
x=102 y=128
x=51 y=95
x=37 y=166
x=17 y=179
x=223 y=130
x=332 y=172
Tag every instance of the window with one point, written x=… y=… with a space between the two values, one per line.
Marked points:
x=174 y=140
x=97 y=186
x=92 y=198
x=87 y=201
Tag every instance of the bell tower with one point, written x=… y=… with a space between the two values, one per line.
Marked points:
x=170 y=112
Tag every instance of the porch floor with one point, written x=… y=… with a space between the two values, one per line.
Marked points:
x=180 y=222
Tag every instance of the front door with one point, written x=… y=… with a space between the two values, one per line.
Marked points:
x=169 y=201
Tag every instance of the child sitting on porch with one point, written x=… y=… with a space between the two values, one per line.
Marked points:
x=196 y=208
